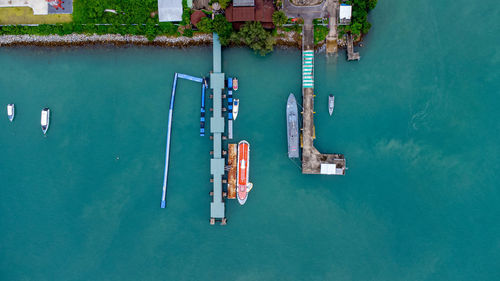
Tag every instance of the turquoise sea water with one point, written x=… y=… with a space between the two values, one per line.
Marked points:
x=417 y=119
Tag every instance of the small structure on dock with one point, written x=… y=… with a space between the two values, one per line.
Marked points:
x=345 y=13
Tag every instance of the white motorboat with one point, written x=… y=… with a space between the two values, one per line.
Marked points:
x=45 y=121
x=11 y=111
x=331 y=104
x=236 y=105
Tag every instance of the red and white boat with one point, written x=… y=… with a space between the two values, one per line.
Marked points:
x=244 y=186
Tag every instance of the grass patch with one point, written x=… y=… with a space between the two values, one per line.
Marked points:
x=24 y=15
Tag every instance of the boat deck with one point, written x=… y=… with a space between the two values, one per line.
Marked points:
x=231 y=177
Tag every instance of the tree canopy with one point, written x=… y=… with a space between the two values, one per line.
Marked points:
x=279 y=18
x=359 y=23
x=223 y=29
x=205 y=25
x=256 y=37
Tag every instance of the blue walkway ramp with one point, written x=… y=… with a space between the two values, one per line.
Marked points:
x=189 y=77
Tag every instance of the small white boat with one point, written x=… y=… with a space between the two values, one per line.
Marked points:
x=236 y=105
x=45 y=121
x=331 y=104
x=11 y=111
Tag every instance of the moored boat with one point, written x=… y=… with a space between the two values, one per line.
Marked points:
x=292 y=127
x=235 y=83
x=45 y=120
x=331 y=104
x=11 y=111
x=236 y=106
x=243 y=185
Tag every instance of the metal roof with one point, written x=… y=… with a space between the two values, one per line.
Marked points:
x=345 y=11
x=169 y=10
x=243 y=3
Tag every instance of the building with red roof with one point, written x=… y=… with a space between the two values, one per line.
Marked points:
x=241 y=11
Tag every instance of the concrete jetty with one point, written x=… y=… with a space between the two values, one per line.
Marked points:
x=217 y=163
x=313 y=162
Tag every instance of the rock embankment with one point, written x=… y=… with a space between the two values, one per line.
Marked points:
x=115 y=39
x=290 y=39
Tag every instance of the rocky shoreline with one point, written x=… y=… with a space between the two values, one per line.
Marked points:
x=115 y=39
x=288 y=40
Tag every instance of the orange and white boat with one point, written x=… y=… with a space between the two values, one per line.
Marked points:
x=244 y=186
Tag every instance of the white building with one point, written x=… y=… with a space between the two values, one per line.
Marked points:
x=345 y=14
x=170 y=10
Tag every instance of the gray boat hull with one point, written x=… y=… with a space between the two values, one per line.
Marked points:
x=292 y=127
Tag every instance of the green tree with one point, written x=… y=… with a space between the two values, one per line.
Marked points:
x=223 y=3
x=205 y=25
x=168 y=28
x=188 y=32
x=186 y=13
x=151 y=31
x=256 y=37
x=320 y=33
x=223 y=29
x=279 y=18
x=356 y=28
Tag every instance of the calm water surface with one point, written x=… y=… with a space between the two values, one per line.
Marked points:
x=417 y=119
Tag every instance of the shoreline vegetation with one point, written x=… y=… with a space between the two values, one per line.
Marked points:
x=136 y=22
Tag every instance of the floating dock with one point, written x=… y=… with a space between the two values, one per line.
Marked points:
x=217 y=124
x=167 y=152
x=202 y=109
x=169 y=128
x=232 y=163
x=230 y=109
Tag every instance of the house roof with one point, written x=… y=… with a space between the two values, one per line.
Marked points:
x=196 y=16
x=240 y=14
x=264 y=11
x=345 y=11
x=169 y=10
x=243 y=3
